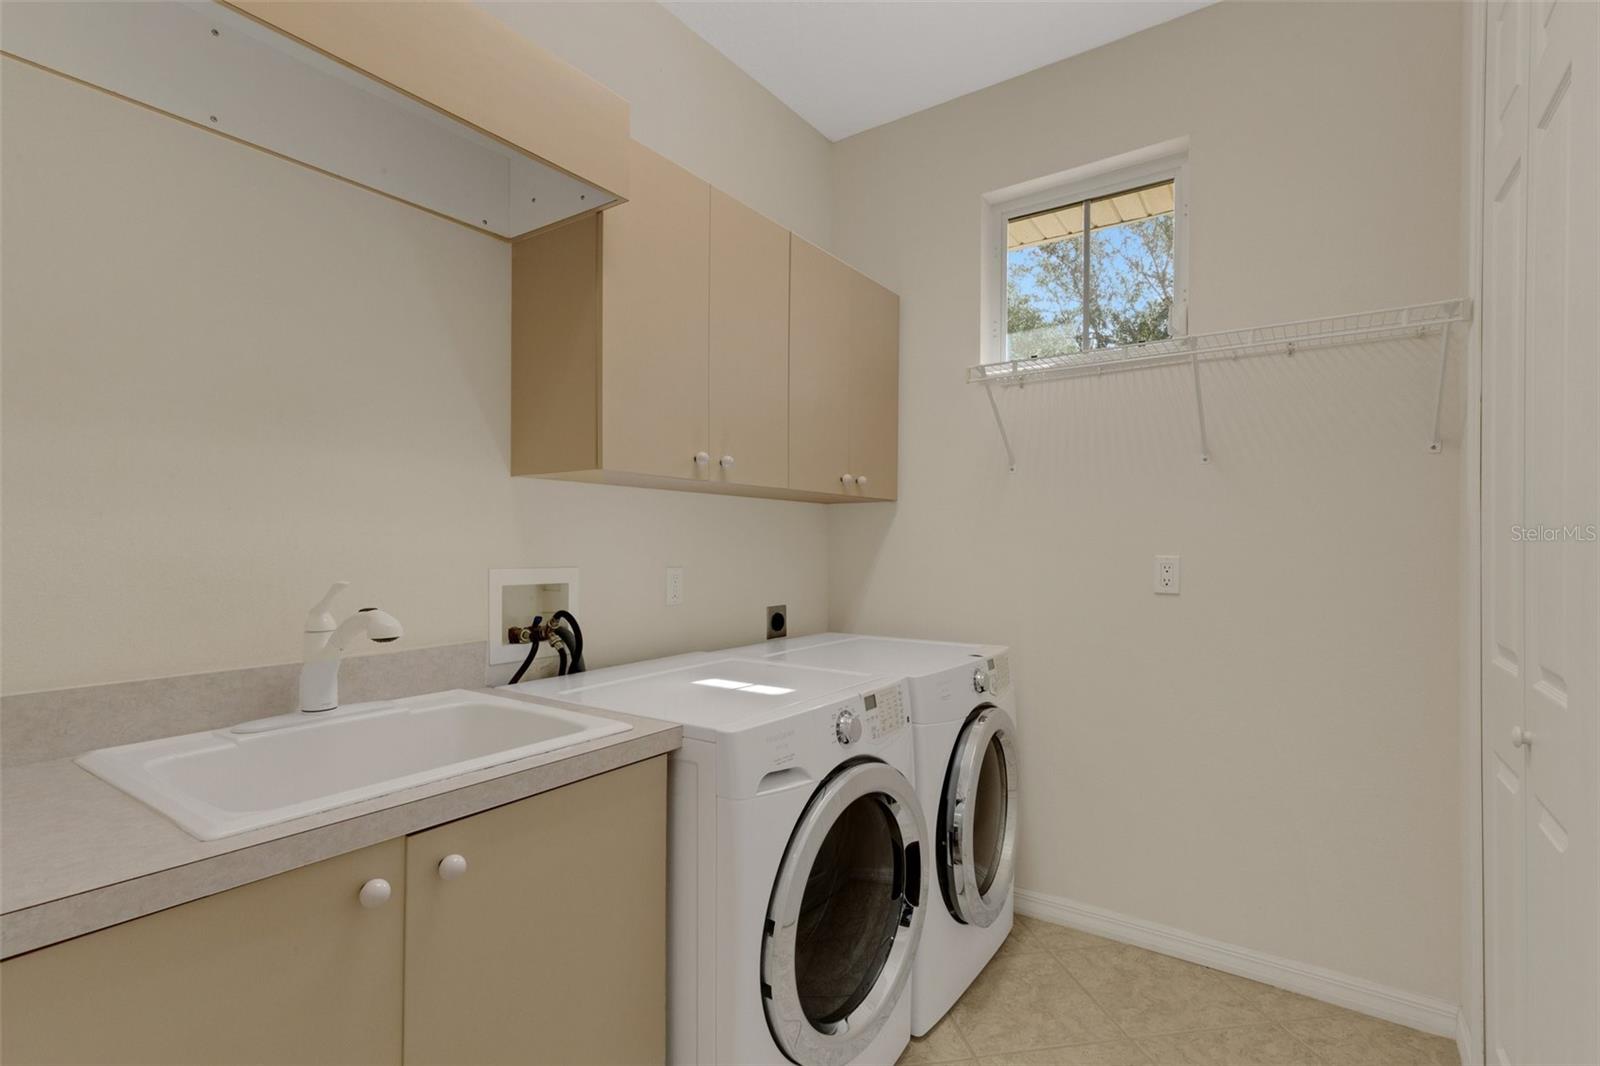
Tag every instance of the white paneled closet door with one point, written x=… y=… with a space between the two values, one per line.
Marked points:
x=1504 y=246
x=1541 y=504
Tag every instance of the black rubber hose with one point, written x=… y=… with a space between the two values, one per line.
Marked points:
x=576 y=643
x=531 y=653
x=565 y=644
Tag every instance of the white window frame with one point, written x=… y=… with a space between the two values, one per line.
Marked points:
x=1168 y=161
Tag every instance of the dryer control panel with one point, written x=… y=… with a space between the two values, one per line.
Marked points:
x=885 y=712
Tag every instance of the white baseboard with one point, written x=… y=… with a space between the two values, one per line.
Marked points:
x=1467 y=1045
x=1407 y=1008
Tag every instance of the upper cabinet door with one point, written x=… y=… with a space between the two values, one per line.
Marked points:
x=819 y=370
x=654 y=401
x=874 y=388
x=749 y=346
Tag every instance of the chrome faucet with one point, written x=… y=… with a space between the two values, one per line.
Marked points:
x=324 y=644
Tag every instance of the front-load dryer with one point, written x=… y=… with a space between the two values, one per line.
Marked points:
x=963 y=725
x=798 y=856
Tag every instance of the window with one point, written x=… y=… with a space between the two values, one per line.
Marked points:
x=1088 y=264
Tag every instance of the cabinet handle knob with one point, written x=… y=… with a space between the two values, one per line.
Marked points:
x=1521 y=737
x=861 y=479
x=452 y=867
x=726 y=462
x=845 y=479
x=375 y=893
x=701 y=459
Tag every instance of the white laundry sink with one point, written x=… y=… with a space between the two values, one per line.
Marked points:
x=260 y=773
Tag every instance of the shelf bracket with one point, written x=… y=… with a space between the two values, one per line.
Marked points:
x=1000 y=423
x=1199 y=407
x=1435 y=442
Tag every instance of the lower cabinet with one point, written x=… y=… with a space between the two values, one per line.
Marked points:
x=287 y=970
x=551 y=946
x=542 y=939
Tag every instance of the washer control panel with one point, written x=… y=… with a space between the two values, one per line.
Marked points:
x=992 y=675
x=884 y=712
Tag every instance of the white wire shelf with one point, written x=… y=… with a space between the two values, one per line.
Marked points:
x=1394 y=323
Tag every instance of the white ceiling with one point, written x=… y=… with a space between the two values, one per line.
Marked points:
x=849 y=66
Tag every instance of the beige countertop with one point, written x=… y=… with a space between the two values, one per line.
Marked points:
x=80 y=855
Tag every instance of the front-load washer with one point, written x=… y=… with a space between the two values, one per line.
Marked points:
x=963 y=725
x=798 y=858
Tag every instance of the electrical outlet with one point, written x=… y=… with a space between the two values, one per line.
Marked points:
x=674 y=586
x=1168 y=575
x=777 y=621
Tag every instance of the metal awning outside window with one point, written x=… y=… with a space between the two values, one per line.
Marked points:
x=1057 y=223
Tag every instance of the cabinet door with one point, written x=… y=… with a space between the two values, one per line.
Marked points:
x=551 y=946
x=819 y=369
x=874 y=388
x=749 y=345
x=291 y=969
x=654 y=288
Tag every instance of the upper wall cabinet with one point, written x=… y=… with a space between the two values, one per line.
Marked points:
x=749 y=343
x=874 y=388
x=653 y=328
x=820 y=407
x=435 y=104
x=844 y=378
x=681 y=340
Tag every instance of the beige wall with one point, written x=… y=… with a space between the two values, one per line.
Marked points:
x=229 y=381
x=691 y=104
x=1270 y=758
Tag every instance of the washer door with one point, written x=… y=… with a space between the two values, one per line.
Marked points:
x=845 y=916
x=978 y=818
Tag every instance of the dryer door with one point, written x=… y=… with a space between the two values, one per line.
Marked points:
x=845 y=915
x=978 y=818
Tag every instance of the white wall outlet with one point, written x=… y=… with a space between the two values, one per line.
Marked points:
x=674 y=586
x=1168 y=575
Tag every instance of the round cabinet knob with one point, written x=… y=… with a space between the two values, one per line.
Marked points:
x=452 y=867
x=847 y=727
x=702 y=459
x=375 y=893
x=846 y=480
x=1521 y=737
x=861 y=479
x=726 y=462
x=980 y=680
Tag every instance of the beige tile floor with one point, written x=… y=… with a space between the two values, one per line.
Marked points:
x=1053 y=995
